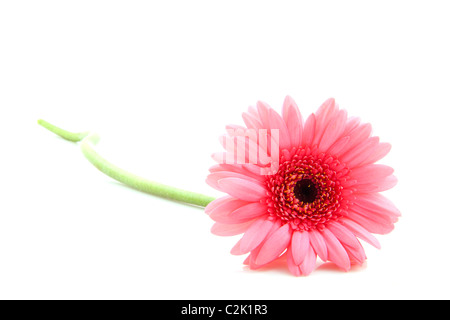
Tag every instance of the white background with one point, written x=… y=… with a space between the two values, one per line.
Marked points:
x=159 y=80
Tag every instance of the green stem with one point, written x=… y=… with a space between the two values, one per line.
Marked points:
x=74 y=137
x=89 y=140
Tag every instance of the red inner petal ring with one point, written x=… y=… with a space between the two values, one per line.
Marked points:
x=307 y=190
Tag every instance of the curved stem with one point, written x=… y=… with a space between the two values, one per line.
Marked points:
x=155 y=188
x=74 y=137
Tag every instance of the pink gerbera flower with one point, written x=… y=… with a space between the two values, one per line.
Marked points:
x=318 y=195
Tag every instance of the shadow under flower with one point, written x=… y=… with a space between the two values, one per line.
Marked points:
x=331 y=267
x=280 y=266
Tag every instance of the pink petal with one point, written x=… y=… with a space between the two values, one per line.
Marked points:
x=249 y=211
x=255 y=234
x=243 y=169
x=274 y=245
x=250 y=261
x=333 y=131
x=293 y=119
x=306 y=267
x=254 y=170
x=360 y=150
x=336 y=252
x=263 y=112
x=251 y=122
x=218 y=157
x=223 y=213
x=371 y=173
x=379 y=217
x=357 y=136
x=276 y=122
x=378 y=203
x=326 y=107
x=217 y=202
x=309 y=263
x=236 y=250
x=308 y=131
x=362 y=153
x=338 y=146
x=242 y=189
x=318 y=244
x=356 y=255
x=380 y=151
x=237 y=169
x=220 y=229
x=324 y=116
x=234 y=127
x=215 y=168
x=374 y=224
x=326 y=112
x=254 y=253
x=361 y=233
x=252 y=111
x=213 y=178
x=352 y=124
x=381 y=185
x=299 y=245
x=344 y=235
x=293 y=268
x=247 y=260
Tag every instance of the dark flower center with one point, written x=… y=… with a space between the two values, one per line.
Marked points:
x=305 y=190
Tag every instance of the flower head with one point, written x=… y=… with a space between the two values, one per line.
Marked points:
x=301 y=189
